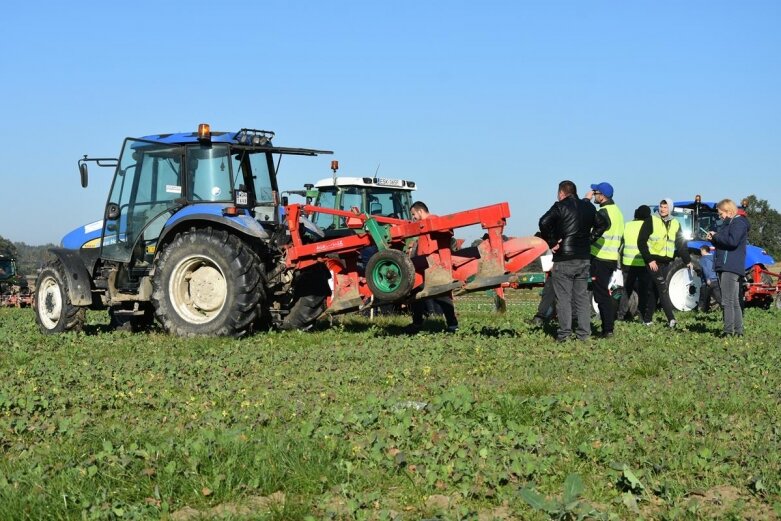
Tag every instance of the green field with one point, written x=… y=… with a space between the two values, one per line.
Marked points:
x=358 y=421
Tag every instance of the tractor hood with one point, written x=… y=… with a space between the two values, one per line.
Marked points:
x=87 y=236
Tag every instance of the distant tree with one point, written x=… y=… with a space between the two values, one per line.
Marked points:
x=29 y=259
x=765 y=225
x=7 y=247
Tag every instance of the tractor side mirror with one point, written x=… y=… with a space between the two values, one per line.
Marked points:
x=84 y=174
x=284 y=201
x=112 y=211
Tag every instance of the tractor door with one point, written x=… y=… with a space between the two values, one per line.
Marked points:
x=147 y=184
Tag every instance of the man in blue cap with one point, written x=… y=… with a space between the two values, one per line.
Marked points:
x=604 y=253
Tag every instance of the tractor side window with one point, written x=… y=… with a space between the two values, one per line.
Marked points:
x=684 y=218
x=261 y=178
x=209 y=169
x=351 y=197
x=325 y=199
x=381 y=203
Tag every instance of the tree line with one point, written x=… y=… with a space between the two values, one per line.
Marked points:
x=765 y=232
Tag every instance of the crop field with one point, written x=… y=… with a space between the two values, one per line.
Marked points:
x=356 y=420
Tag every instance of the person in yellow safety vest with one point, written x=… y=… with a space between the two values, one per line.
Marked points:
x=605 y=252
x=635 y=273
x=660 y=240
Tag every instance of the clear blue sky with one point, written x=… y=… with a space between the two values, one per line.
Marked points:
x=479 y=102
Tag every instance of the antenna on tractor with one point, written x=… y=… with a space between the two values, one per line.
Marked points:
x=377 y=170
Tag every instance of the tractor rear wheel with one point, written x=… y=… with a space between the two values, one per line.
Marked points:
x=310 y=291
x=390 y=275
x=207 y=283
x=54 y=312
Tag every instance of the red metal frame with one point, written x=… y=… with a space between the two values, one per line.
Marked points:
x=759 y=290
x=438 y=270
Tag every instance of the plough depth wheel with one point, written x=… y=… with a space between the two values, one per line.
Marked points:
x=390 y=275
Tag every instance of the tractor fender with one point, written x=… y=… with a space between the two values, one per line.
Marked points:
x=79 y=280
x=243 y=224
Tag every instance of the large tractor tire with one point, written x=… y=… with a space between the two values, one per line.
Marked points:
x=207 y=283
x=54 y=312
x=310 y=290
x=390 y=275
x=683 y=284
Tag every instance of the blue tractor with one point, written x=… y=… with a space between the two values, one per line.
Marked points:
x=697 y=218
x=191 y=236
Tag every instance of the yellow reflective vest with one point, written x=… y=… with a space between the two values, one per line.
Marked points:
x=631 y=255
x=607 y=246
x=661 y=242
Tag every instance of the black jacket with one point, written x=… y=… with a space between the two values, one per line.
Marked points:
x=571 y=223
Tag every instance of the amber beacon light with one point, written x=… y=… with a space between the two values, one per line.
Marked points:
x=204 y=132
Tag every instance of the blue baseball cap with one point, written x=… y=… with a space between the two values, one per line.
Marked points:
x=605 y=188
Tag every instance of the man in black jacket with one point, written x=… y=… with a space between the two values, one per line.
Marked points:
x=569 y=228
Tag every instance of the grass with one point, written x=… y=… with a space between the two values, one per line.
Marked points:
x=357 y=421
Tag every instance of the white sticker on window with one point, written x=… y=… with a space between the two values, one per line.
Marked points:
x=216 y=191
x=173 y=189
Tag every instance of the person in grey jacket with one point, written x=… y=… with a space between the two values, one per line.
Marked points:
x=730 y=261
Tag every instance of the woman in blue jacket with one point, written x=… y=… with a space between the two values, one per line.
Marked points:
x=730 y=260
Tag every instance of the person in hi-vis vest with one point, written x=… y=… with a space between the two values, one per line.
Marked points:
x=604 y=253
x=635 y=274
x=660 y=241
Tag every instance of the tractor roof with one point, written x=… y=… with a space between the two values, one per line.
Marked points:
x=371 y=182
x=249 y=137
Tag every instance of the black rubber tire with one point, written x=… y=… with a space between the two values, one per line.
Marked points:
x=233 y=271
x=310 y=290
x=390 y=275
x=54 y=312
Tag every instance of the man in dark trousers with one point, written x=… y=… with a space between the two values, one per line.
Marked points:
x=659 y=241
x=634 y=270
x=604 y=253
x=567 y=227
x=419 y=211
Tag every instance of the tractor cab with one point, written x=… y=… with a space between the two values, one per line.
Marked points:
x=7 y=268
x=164 y=180
x=373 y=196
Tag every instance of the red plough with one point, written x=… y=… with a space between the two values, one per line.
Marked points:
x=381 y=262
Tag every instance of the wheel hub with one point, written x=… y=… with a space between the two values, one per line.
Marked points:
x=207 y=288
x=50 y=308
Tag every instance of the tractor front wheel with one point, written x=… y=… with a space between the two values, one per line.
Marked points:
x=207 y=283
x=54 y=312
x=683 y=284
x=390 y=275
